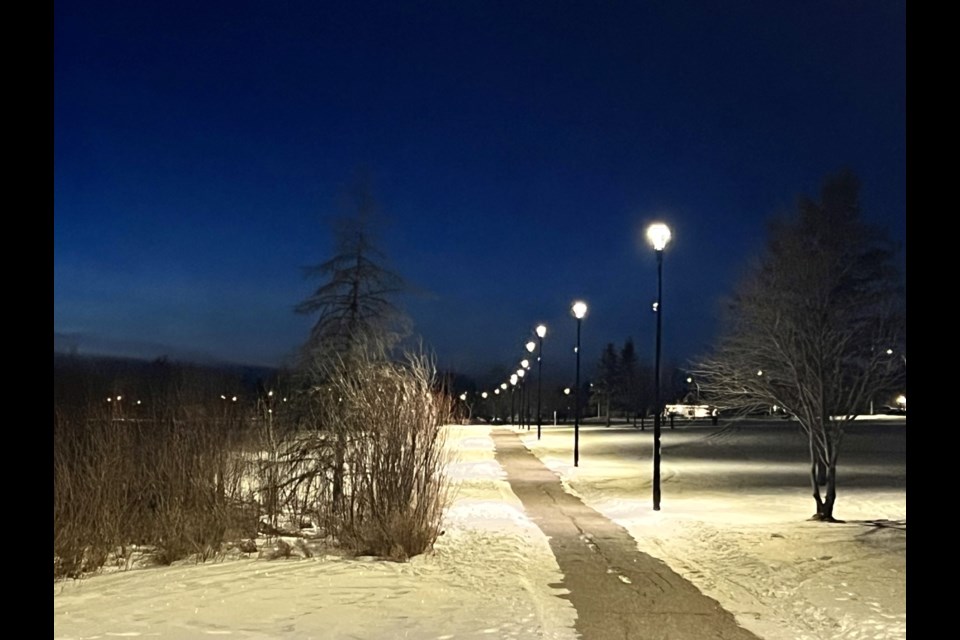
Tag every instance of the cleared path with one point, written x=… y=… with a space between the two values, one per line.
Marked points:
x=618 y=592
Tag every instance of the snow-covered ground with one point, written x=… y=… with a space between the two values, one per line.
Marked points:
x=735 y=527
x=734 y=520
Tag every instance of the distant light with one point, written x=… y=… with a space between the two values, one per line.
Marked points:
x=463 y=396
x=659 y=235
x=497 y=390
x=889 y=352
x=525 y=363
x=513 y=378
x=531 y=346
x=270 y=394
x=656 y=307
x=579 y=309
x=109 y=399
x=223 y=397
x=689 y=379
x=520 y=373
x=759 y=372
x=234 y=398
x=541 y=330
x=138 y=402
x=484 y=395
x=118 y=398
x=902 y=400
x=566 y=391
x=503 y=385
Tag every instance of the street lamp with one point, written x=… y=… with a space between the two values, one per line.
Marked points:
x=690 y=380
x=513 y=387
x=523 y=386
x=658 y=234
x=541 y=332
x=531 y=346
x=579 y=310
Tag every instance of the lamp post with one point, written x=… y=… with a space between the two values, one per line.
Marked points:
x=513 y=389
x=691 y=380
x=531 y=346
x=526 y=394
x=502 y=387
x=579 y=310
x=541 y=332
x=658 y=234
x=520 y=373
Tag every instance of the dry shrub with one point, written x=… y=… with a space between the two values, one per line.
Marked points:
x=94 y=502
x=383 y=422
x=165 y=479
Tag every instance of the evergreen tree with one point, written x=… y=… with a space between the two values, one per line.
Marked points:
x=355 y=302
x=358 y=321
x=608 y=379
x=629 y=393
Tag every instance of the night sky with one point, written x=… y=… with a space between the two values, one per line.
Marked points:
x=517 y=151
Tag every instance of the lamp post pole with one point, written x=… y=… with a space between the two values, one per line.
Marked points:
x=522 y=382
x=658 y=234
x=579 y=310
x=541 y=332
x=656 y=391
x=531 y=346
x=503 y=397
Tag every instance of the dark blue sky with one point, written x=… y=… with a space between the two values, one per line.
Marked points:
x=517 y=149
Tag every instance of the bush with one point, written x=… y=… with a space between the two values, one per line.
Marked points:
x=188 y=472
x=164 y=478
x=382 y=425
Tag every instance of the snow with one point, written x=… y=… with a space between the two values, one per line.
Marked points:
x=735 y=527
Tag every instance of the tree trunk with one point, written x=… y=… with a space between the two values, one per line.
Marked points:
x=823 y=473
x=816 y=489
x=831 y=497
x=821 y=460
x=814 y=472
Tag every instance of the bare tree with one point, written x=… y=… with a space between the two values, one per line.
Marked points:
x=355 y=301
x=817 y=327
x=357 y=316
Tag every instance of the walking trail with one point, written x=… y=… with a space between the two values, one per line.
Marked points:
x=618 y=592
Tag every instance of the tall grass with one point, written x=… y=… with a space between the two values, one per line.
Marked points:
x=160 y=476
x=361 y=457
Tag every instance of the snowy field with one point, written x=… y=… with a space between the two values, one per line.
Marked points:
x=733 y=519
x=735 y=526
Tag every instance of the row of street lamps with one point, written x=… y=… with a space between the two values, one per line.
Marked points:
x=658 y=234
